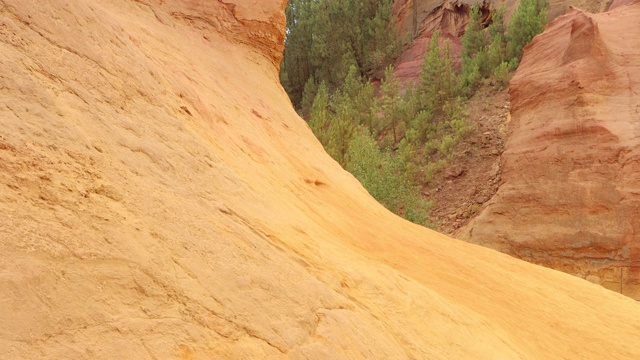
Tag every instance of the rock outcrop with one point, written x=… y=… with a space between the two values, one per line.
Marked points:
x=570 y=197
x=421 y=18
x=160 y=198
x=617 y=3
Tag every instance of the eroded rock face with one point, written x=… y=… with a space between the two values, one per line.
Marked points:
x=425 y=17
x=449 y=18
x=421 y=18
x=571 y=167
x=160 y=198
x=617 y=3
x=255 y=23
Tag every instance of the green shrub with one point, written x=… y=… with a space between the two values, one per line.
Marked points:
x=527 y=22
x=308 y=94
x=502 y=73
x=383 y=176
x=470 y=77
x=446 y=145
x=474 y=53
x=437 y=80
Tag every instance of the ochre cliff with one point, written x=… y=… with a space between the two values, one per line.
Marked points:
x=160 y=198
x=570 y=197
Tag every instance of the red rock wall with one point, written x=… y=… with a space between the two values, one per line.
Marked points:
x=571 y=167
x=450 y=17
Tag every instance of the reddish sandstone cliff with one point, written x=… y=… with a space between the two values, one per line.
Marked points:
x=570 y=197
x=421 y=18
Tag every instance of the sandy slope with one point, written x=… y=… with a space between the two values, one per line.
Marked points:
x=161 y=199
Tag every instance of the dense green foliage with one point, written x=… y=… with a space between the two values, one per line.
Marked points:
x=527 y=22
x=326 y=38
x=496 y=52
x=382 y=175
x=387 y=140
x=394 y=138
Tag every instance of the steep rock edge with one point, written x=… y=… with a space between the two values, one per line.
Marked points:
x=253 y=23
x=161 y=199
x=570 y=197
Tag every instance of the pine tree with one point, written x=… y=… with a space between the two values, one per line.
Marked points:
x=359 y=94
x=296 y=67
x=389 y=102
x=495 y=54
x=324 y=38
x=319 y=118
x=437 y=79
x=474 y=39
x=341 y=129
x=527 y=22
x=308 y=95
x=497 y=26
x=383 y=44
x=497 y=31
x=474 y=56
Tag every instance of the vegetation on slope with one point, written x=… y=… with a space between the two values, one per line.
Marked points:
x=325 y=38
x=395 y=137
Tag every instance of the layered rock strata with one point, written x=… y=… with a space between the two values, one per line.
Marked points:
x=570 y=197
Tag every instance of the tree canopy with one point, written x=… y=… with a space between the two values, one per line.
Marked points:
x=325 y=38
x=394 y=138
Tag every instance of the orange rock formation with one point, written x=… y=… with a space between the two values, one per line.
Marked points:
x=570 y=197
x=160 y=198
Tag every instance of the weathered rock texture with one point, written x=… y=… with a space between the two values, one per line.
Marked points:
x=421 y=18
x=451 y=16
x=570 y=197
x=617 y=3
x=160 y=198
